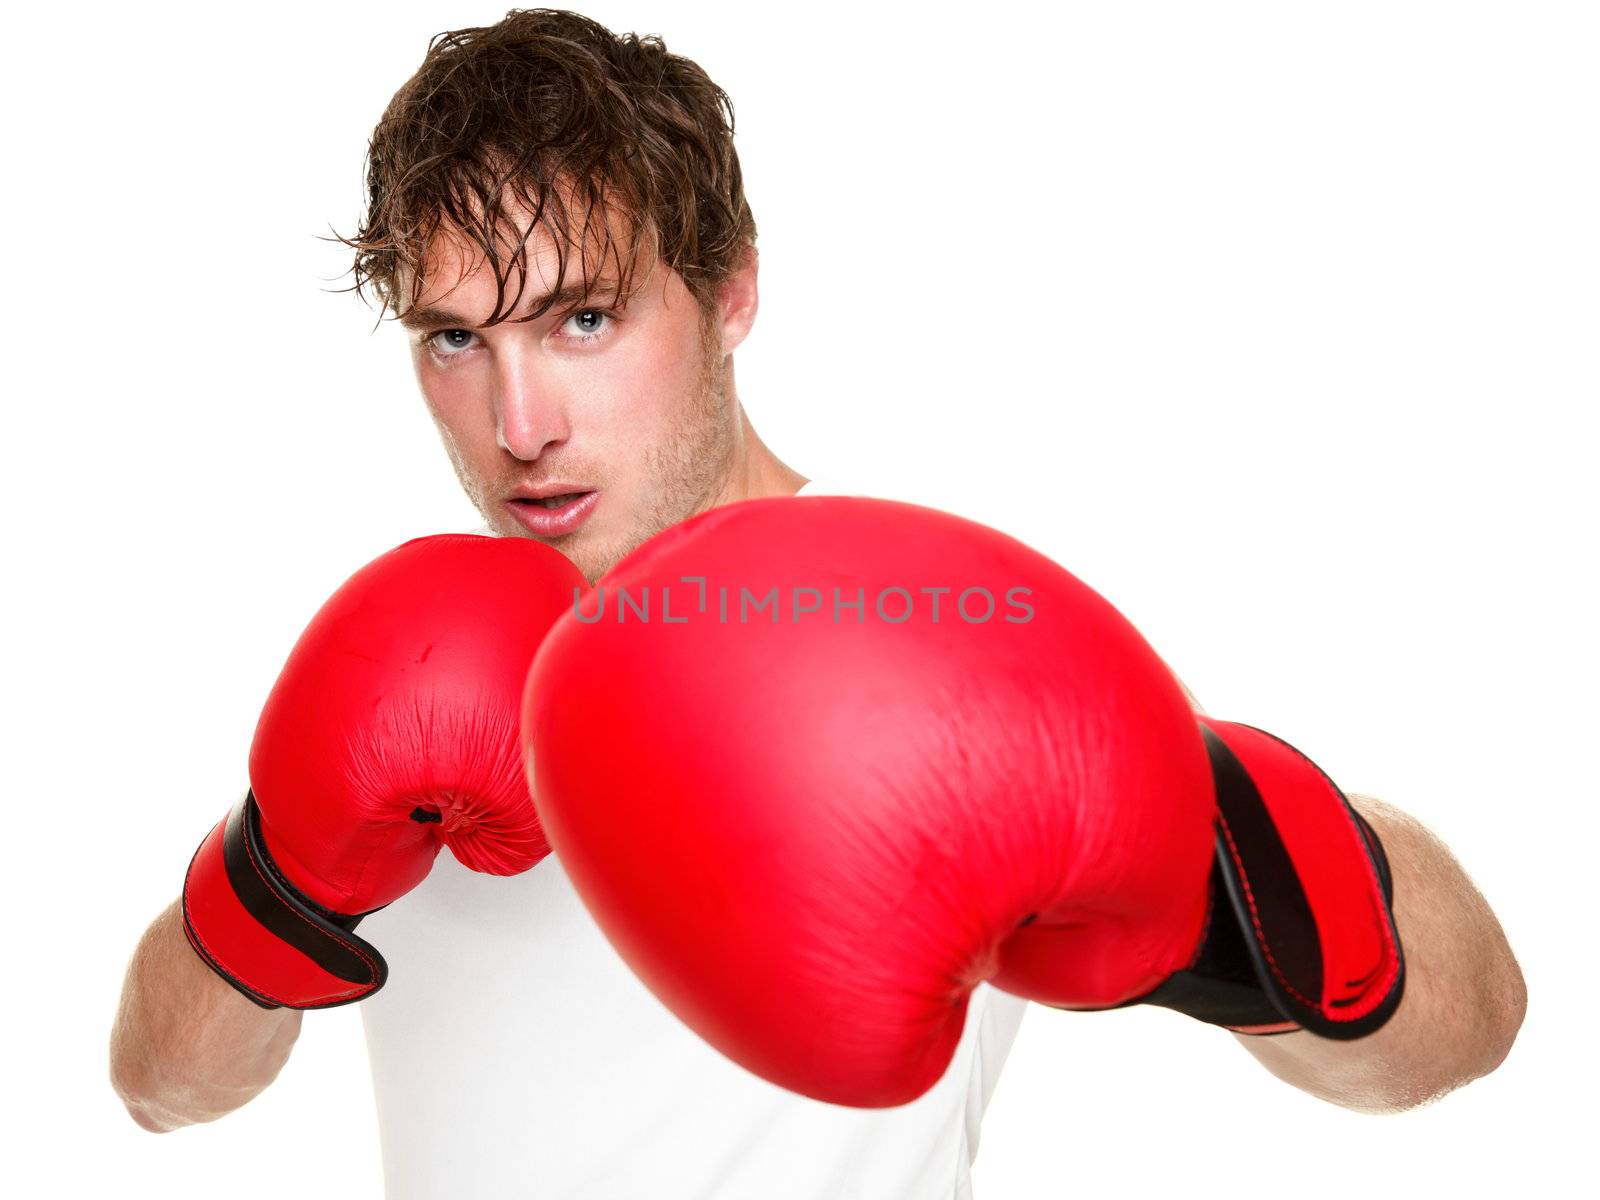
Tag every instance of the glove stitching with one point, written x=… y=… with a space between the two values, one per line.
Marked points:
x=1255 y=919
x=221 y=961
x=354 y=948
x=1266 y=948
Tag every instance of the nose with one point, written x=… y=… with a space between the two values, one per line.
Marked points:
x=531 y=414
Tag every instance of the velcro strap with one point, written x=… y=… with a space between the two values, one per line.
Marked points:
x=260 y=933
x=1305 y=886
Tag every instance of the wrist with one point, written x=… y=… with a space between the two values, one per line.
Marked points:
x=261 y=933
x=1300 y=933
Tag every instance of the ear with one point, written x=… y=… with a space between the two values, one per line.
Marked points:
x=737 y=300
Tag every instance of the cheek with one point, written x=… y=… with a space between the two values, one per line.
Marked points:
x=657 y=380
x=456 y=401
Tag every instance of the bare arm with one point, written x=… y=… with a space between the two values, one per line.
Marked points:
x=1464 y=995
x=186 y=1047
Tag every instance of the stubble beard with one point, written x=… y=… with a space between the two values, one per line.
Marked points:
x=684 y=474
x=687 y=471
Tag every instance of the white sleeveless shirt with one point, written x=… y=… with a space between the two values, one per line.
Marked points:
x=514 y=1054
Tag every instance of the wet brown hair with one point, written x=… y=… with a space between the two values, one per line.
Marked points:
x=618 y=146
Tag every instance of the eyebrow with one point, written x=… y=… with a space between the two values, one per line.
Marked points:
x=437 y=317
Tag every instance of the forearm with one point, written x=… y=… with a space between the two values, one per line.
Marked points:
x=186 y=1047
x=1464 y=995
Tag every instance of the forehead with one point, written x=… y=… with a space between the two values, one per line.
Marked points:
x=512 y=263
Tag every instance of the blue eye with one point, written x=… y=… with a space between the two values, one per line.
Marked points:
x=588 y=322
x=451 y=341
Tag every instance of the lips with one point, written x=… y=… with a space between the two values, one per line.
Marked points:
x=555 y=514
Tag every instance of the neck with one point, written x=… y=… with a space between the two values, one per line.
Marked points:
x=757 y=471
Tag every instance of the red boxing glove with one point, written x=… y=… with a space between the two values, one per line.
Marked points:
x=391 y=731
x=820 y=766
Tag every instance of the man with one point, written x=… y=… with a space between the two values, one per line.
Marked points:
x=557 y=218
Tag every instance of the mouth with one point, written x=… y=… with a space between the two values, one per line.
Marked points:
x=561 y=500
x=555 y=514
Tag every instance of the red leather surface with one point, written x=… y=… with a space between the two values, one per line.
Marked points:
x=812 y=839
x=403 y=692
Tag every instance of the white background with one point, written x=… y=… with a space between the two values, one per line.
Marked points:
x=1275 y=322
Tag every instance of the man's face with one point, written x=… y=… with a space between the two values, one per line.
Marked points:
x=592 y=427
